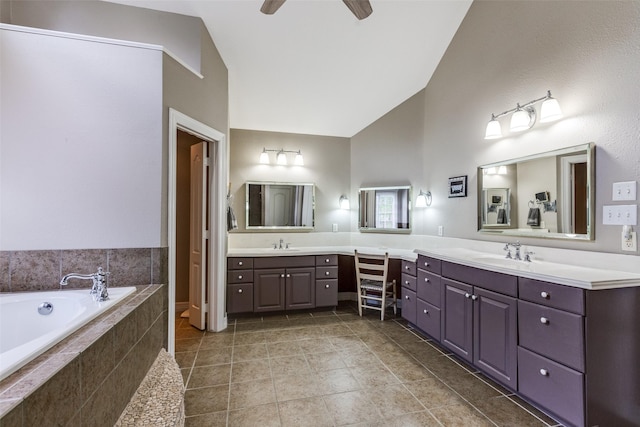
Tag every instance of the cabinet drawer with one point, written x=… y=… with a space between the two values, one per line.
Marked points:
x=556 y=334
x=326 y=272
x=409 y=267
x=428 y=318
x=554 y=386
x=326 y=260
x=326 y=293
x=409 y=281
x=428 y=287
x=284 y=261
x=239 y=263
x=552 y=295
x=240 y=298
x=497 y=282
x=427 y=263
x=239 y=276
x=409 y=305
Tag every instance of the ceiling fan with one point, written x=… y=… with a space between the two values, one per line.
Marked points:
x=360 y=8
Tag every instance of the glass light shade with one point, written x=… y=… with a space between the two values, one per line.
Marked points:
x=344 y=203
x=502 y=170
x=423 y=200
x=281 y=159
x=299 y=160
x=494 y=131
x=264 y=158
x=521 y=120
x=490 y=171
x=550 y=110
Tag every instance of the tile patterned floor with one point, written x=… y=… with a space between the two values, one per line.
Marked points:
x=333 y=368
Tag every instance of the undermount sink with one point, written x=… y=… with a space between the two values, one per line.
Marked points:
x=500 y=262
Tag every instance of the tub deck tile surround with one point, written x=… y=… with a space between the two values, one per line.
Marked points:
x=24 y=271
x=88 y=378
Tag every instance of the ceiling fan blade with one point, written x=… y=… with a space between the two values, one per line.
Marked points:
x=269 y=7
x=360 y=8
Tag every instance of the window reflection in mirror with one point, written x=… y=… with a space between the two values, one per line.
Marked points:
x=550 y=194
x=385 y=209
x=277 y=205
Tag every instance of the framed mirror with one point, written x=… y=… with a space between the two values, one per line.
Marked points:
x=548 y=195
x=385 y=209
x=280 y=206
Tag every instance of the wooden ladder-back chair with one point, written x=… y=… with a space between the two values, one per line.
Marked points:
x=374 y=290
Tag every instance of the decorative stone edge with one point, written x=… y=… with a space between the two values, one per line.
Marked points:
x=159 y=400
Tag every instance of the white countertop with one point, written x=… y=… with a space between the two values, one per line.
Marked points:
x=565 y=274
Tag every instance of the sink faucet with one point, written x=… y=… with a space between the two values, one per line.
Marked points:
x=99 y=288
x=281 y=242
x=516 y=245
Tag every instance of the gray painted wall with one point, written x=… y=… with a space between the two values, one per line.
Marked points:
x=327 y=161
x=586 y=53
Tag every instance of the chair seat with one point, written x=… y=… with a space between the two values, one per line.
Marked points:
x=373 y=285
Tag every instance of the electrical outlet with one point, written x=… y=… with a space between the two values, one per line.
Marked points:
x=441 y=230
x=630 y=244
x=624 y=190
x=334 y=227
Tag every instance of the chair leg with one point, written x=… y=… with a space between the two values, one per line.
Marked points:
x=383 y=303
x=395 y=299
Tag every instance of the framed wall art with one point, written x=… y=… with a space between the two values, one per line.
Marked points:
x=458 y=186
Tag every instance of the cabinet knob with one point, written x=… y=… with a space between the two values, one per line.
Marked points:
x=406 y=297
x=282 y=275
x=544 y=320
x=326 y=273
x=288 y=275
x=467 y=295
x=326 y=286
x=426 y=279
x=239 y=276
x=406 y=282
x=544 y=294
x=426 y=311
x=426 y=264
x=239 y=291
x=326 y=260
x=474 y=297
x=239 y=262
x=544 y=372
x=406 y=267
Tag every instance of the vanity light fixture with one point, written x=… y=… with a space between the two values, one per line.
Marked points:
x=344 y=202
x=423 y=199
x=281 y=157
x=524 y=116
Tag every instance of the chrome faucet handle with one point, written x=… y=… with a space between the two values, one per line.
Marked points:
x=527 y=255
x=508 y=249
x=287 y=247
x=517 y=255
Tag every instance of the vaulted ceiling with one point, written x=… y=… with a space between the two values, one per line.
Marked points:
x=312 y=67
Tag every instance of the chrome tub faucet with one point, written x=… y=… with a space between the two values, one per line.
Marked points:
x=99 y=288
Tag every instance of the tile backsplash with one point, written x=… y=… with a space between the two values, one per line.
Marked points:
x=23 y=271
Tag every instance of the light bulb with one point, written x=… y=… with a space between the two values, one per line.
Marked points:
x=494 y=131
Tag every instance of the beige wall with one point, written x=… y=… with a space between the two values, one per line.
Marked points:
x=587 y=53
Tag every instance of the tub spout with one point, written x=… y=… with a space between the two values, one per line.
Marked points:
x=99 y=288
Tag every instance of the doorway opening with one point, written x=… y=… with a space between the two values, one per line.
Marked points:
x=196 y=224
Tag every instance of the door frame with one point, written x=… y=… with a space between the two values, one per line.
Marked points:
x=216 y=313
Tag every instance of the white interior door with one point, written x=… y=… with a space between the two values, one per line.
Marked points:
x=198 y=236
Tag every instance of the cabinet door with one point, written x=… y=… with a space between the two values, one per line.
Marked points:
x=428 y=318
x=268 y=289
x=457 y=318
x=408 y=307
x=240 y=298
x=495 y=336
x=327 y=293
x=300 y=288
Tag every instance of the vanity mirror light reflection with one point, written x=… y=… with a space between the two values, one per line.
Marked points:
x=280 y=206
x=549 y=195
x=385 y=209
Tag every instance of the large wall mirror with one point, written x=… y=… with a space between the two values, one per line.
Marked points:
x=280 y=205
x=385 y=209
x=549 y=195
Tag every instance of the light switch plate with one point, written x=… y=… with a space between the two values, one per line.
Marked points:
x=624 y=190
x=620 y=215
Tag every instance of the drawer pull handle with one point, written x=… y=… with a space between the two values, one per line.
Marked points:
x=239 y=291
x=544 y=295
x=544 y=372
x=239 y=262
x=426 y=311
x=544 y=320
x=240 y=276
x=474 y=297
x=326 y=286
x=467 y=295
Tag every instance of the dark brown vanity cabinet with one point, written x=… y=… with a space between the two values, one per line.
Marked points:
x=479 y=319
x=420 y=293
x=326 y=280
x=408 y=279
x=239 y=285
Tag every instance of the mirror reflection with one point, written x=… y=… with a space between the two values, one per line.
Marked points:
x=277 y=205
x=385 y=209
x=545 y=195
